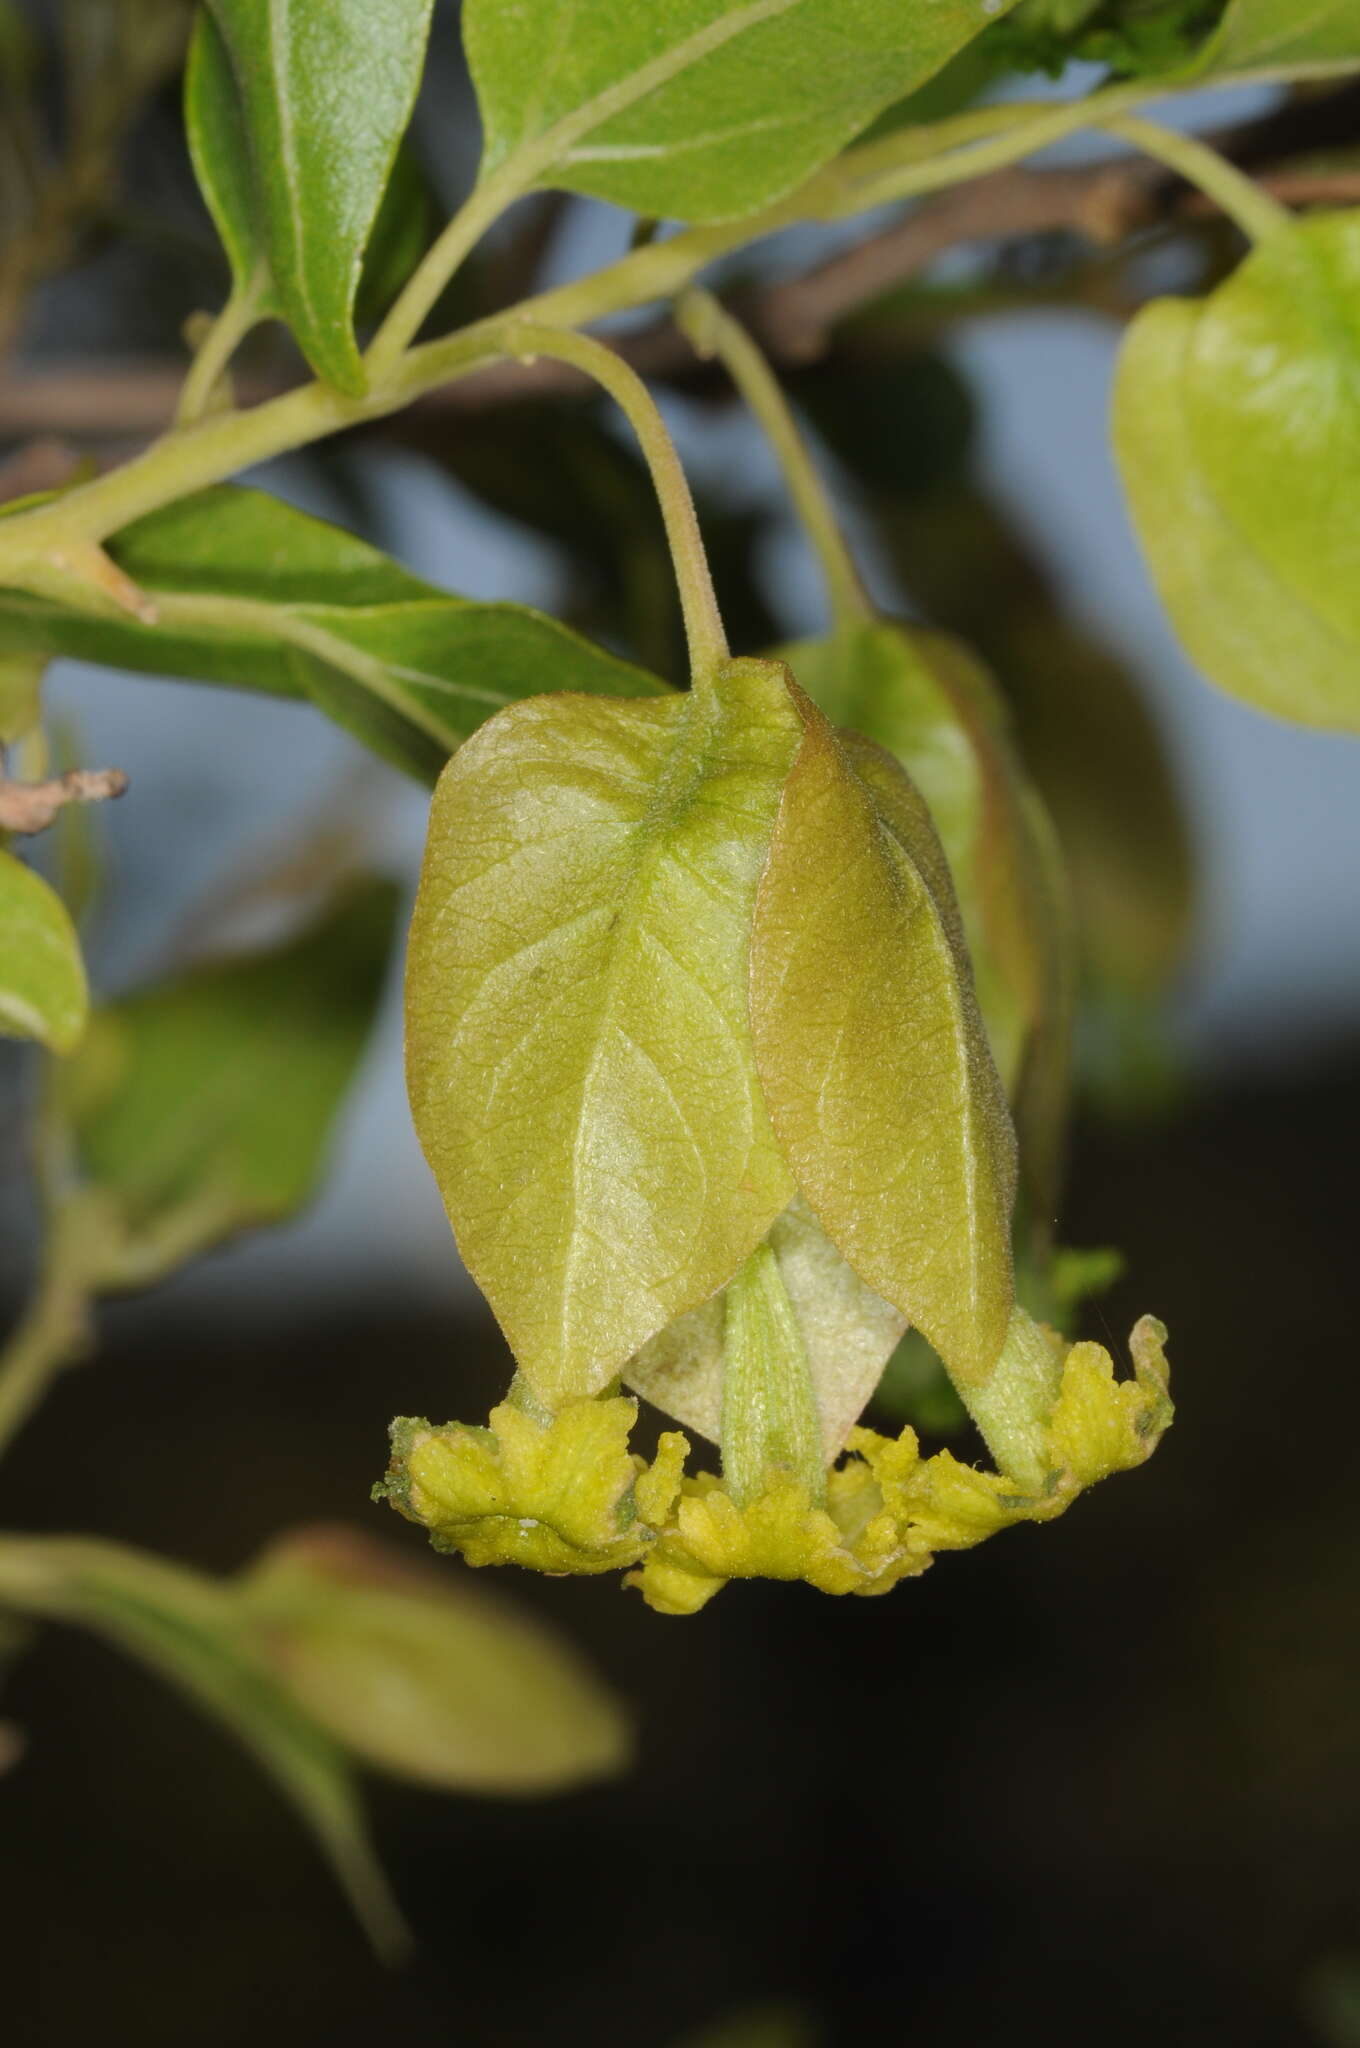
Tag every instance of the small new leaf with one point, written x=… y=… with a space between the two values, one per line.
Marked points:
x=424 y=1676
x=1237 y=428
x=695 y=109
x=324 y=97
x=578 y=1044
x=871 y=1053
x=43 y=993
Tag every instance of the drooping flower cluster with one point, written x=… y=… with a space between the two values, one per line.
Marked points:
x=697 y=1057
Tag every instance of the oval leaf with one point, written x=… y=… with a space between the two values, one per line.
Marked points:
x=42 y=976
x=695 y=109
x=871 y=1052
x=325 y=94
x=1237 y=428
x=409 y=669
x=578 y=1045
x=425 y=1676
x=849 y=1333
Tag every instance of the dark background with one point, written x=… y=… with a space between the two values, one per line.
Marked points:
x=1095 y=1782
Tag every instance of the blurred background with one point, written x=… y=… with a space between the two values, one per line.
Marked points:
x=1086 y=1783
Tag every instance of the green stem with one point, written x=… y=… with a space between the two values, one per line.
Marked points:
x=770 y=1423
x=713 y=332
x=703 y=622
x=215 y=352
x=1240 y=197
x=484 y=205
x=54 y=1330
x=33 y=543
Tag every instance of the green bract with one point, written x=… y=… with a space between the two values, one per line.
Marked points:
x=42 y=977
x=579 y=1048
x=250 y=592
x=695 y=109
x=294 y=117
x=925 y=698
x=871 y=1052
x=1237 y=426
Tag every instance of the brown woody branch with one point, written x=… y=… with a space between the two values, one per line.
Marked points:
x=794 y=319
x=31 y=806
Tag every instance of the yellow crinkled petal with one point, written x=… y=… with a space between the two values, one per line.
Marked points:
x=889 y=1510
x=1102 y=1425
x=562 y=1496
x=568 y=1496
x=779 y=1535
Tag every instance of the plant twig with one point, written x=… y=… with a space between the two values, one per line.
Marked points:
x=31 y=806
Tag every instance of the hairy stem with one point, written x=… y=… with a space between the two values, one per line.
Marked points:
x=703 y=623
x=215 y=352
x=714 y=332
x=1240 y=197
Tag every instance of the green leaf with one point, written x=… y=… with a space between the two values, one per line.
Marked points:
x=1237 y=428
x=305 y=609
x=203 y=1106
x=871 y=1053
x=847 y=1331
x=187 y=1628
x=219 y=146
x=42 y=976
x=324 y=97
x=1274 y=35
x=578 y=1044
x=424 y=1676
x=695 y=109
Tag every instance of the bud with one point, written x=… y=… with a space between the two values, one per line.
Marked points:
x=424 y=1677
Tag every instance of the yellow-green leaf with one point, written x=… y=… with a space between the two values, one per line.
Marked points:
x=43 y=994
x=871 y=1053
x=1237 y=427
x=425 y=1676
x=695 y=109
x=925 y=698
x=579 y=1056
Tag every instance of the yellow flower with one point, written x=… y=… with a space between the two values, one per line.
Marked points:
x=565 y=1494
